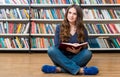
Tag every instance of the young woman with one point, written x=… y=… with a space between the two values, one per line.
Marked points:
x=72 y=60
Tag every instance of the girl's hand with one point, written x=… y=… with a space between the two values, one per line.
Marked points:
x=73 y=50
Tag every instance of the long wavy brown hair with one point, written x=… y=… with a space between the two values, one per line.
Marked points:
x=65 y=26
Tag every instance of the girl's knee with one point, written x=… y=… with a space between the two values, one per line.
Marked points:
x=51 y=50
x=87 y=53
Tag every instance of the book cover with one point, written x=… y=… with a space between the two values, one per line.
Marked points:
x=63 y=46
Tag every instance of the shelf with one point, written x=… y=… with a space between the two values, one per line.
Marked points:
x=48 y=20
x=60 y=20
x=49 y=5
x=106 y=49
x=44 y=35
x=14 y=5
x=104 y=35
x=91 y=35
x=14 y=49
x=66 y=5
x=102 y=21
x=100 y=5
x=1 y=35
x=85 y=20
x=39 y=49
x=20 y=20
x=45 y=49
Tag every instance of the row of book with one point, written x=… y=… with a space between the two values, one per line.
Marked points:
x=104 y=42
x=10 y=27
x=51 y=13
x=14 y=1
x=14 y=13
x=101 y=13
x=100 y=1
x=41 y=28
x=103 y=28
x=59 y=1
x=45 y=42
x=14 y=42
x=55 y=13
x=39 y=1
x=55 y=1
x=41 y=42
x=49 y=28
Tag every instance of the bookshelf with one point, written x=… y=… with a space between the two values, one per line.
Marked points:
x=86 y=20
x=49 y=9
x=46 y=22
x=14 y=25
x=107 y=38
x=40 y=23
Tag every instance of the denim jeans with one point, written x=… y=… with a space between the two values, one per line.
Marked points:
x=69 y=63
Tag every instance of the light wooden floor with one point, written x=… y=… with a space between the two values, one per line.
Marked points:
x=29 y=65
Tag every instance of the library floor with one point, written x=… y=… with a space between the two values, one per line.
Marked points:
x=29 y=65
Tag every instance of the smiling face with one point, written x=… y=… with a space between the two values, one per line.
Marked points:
x=72 y=15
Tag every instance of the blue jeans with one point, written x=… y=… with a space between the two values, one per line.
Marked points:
x=69 y=63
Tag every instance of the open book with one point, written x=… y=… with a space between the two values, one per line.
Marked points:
x=63 y=46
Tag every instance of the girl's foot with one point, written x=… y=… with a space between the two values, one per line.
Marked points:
x=93 y=70
x=50 y=69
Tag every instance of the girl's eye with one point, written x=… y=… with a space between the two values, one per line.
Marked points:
x=69 y=12
x=74 y=13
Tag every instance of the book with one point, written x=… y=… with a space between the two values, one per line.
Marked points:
x=63 y=46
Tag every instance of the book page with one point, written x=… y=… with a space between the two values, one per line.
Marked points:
x=63 y=46
x=76 y=44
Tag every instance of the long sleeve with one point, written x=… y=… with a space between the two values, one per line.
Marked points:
x=73 y=39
